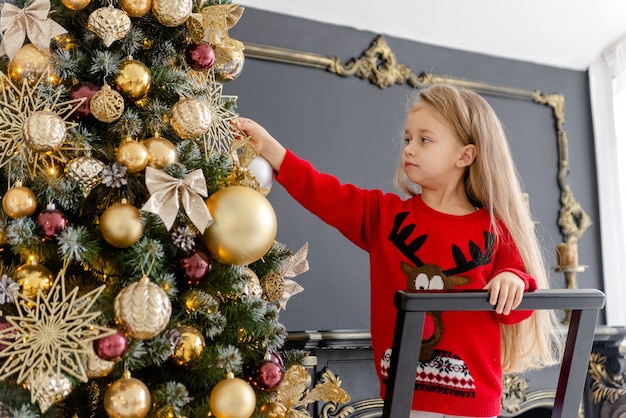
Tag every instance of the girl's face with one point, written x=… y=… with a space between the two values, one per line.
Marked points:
x=433 y=154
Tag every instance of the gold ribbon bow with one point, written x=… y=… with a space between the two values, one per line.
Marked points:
x=296 y=265
x=16 y=24
x=242 y=152
x=212 y=23
x=167 y=192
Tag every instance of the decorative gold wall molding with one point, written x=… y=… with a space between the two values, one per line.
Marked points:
x=378 y=64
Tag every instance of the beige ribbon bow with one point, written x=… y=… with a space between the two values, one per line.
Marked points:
x=167 y=192
x=16 y=24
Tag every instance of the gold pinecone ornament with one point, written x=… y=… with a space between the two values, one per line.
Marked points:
x=142 y=309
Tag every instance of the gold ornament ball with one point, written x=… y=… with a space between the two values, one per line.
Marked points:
x=232 y=398
x=44 y=131
x=127 y=397
x=190 y=118
x=133 y=155
x=19 y=201
x=133 y=79
x=162 y=152
x=29 y=64
x=32 y=277
x=136 y=8
x=189 y=347
x=97 y=367
x=142 y=309
x=106 y=105
x=120 y=225
x=76 y=4
x=253 y=287
x=274 y=410
x=172 y=12
x=244 y=225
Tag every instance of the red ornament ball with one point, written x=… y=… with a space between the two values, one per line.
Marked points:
x=266 y=376
x=78 y=91
x=111 y=347
x=51 y=221
x=276 y=359
x=200 y=56
x=196 y=267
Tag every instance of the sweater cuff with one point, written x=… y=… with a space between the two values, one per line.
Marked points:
x=530 y=285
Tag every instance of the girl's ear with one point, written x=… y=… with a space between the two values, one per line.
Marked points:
x=467 y=156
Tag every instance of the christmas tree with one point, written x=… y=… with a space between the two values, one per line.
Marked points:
x=140 y=272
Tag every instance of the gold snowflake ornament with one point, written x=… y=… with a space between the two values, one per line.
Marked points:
x=220 y=134
x=50 y=335
x=17 y=103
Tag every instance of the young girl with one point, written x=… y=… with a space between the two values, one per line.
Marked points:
x=464 y=226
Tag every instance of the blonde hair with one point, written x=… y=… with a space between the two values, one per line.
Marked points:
x=492 y=182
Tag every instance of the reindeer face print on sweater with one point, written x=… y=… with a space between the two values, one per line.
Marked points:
x=437 y=368
x=430 y=277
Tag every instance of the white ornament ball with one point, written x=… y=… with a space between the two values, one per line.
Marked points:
x=262 y=171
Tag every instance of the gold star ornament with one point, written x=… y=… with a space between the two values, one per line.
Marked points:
x=33 y=128
x=50 y=336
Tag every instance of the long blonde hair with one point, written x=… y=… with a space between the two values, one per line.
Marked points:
x=492 y=182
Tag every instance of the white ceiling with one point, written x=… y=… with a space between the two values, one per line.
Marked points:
x=561 y=33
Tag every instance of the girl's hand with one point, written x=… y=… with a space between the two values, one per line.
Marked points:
x=267 y=146
x=506 y=291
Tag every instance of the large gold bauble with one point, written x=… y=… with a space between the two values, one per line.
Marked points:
x=162 y=152
x=127 y=397
x=120 y=225
x=32 y=277
x=19 y=201
x=76 y=4
x=190 y=118
x=142 y=309
x=29 y=64
x=44 y=131
x=189 y=346
x=133 y=155
x=133 y=79
x=172 y=12
x=244 y=225
x=136 y=8
x=106 y=105
x=109 y=23
x=232 y=398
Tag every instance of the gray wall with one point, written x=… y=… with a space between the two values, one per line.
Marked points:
x=352 y=129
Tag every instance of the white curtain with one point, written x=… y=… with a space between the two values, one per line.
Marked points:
x=607 y=81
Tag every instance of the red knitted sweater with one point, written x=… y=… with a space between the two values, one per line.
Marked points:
x=410 y=245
